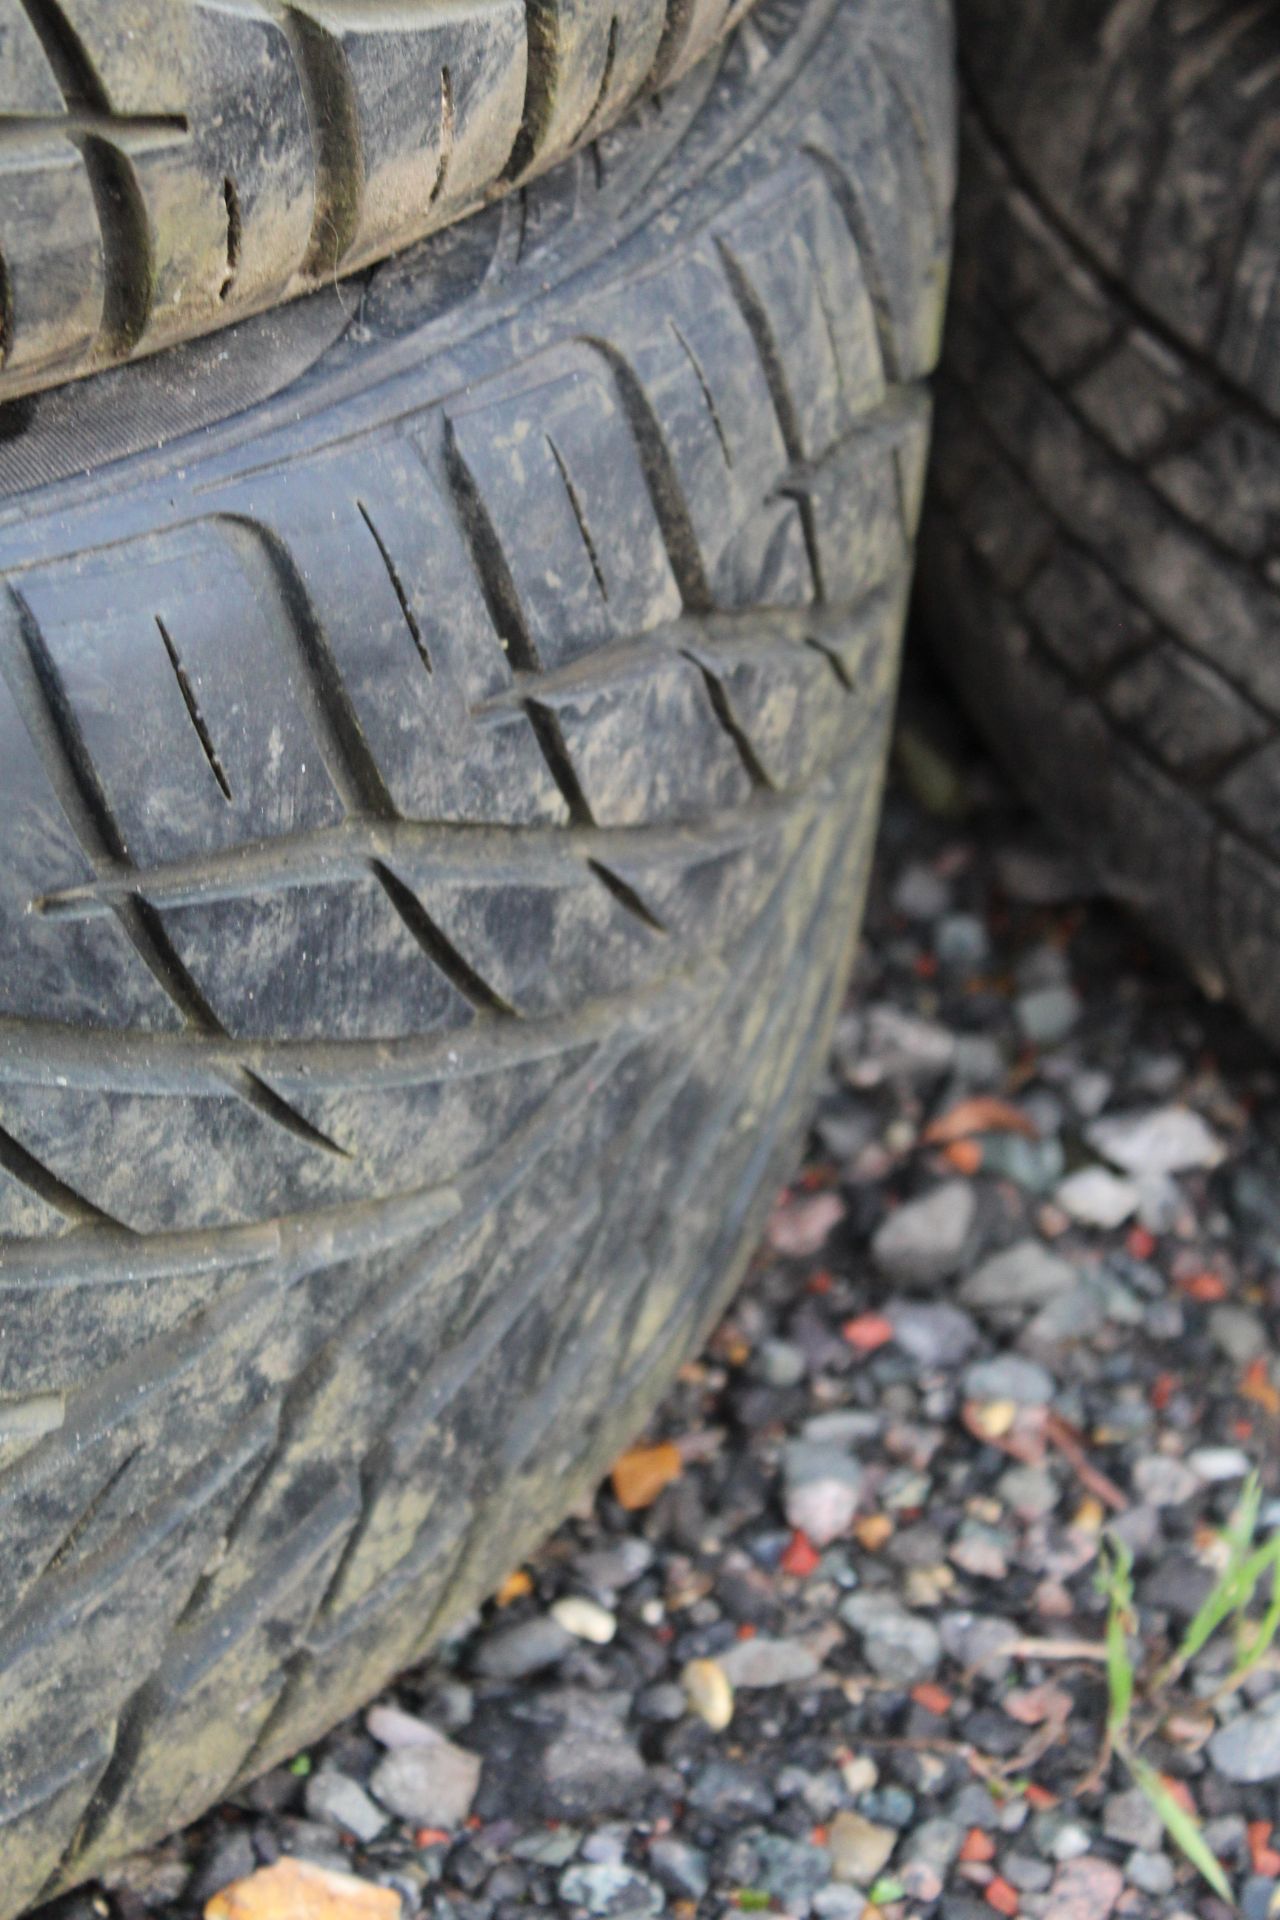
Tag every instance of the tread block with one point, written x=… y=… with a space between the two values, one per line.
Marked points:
x=544 y=942
x=413 y=648
x=797 y=272
x=688 y=349
x=77 y=970
x=432 y=103
x=109 y=1623
x=231 y=1654
x=213 y=714
x=645 y=745
x=435 y=1126
x=1191 y=718
x=312 y=961
x=530 y=451
x=54 y=272
x=38 y=1821
x=857 y=513
x=216 y=1160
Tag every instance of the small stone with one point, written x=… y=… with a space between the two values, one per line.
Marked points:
x=980 y=1551
x=1213 y=1465
x=898 y=1645
x=723 y=1788
x=860 y=1849
x=800 y=1227
x=900 y=1046
x=547 y=1848
x=680 y=1868
x=821 y=1488
x=708 y=1690
x=1029 y=1492
x=585 y=1619
x=1066 y=1839
x=1096 y=1197
x=928 y=1854
x=1150 y=1872
x=935 y=1334
x=1247 y=1749
x=607 y=1888
x=391 y=1726
x=790 y=1871
x=764 y=1662
x=1046 y=1015
x=1238 y=1332
x=297 y=1890
x=779 y=1363
x=339 y=1802
x=924 y=1240
x=1259 y=1898
x=838 y=1902
x=978 y=1640
x=609 y=1569
x=1024 y=1275
x=1085 y=1888
x=961 y=942
x=514 y=1652
x=1009 y=1376
x=919 y=893
x=431 y=1786
x=641 y=1474
x=1169 y=1139
x=1130 y=1818
x=1163 y=1481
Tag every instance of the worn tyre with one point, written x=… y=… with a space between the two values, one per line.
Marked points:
x=1103 y=547
x=434 y=807
x=170 y=165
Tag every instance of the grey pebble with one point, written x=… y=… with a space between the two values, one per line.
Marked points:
x=935 y=1334
x=924 y=1240
x=606 y=1888
x=431 y=1785
x=682 y=1869
x=512 y=1653
x=898 y=1645
x=1150 y=1872
x=1238 y=1332
x=1009 y=1376
x=1023 y=1275
x=1047 y=1015
x=339 y=1802
x=1247 y=1749
x=765 y=1662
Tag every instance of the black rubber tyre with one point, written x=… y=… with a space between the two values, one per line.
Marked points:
x=170 y=165
x=434 y=809
x=1101 y=565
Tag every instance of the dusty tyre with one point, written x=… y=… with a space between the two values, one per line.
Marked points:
x=171 y=165
x=434 y=807
x=1102 y=551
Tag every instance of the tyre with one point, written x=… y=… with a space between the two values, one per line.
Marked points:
x=436 y=800
x=171 y=165
x=1102 y=570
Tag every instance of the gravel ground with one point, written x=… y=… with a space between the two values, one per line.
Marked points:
x=839 y=1651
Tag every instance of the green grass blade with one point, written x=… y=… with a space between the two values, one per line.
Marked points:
x=1183 y=1829
x=1115 y=1578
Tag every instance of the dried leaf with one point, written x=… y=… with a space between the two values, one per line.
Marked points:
x=981 y=1113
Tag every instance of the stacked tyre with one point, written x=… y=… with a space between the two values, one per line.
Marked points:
x=441 y=725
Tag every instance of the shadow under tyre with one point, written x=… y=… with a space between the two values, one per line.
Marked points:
x=1101 y=562
x=435 y=802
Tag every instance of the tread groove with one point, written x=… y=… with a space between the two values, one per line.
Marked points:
x=410 y=617
x=193 y=709
x=437 y=947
